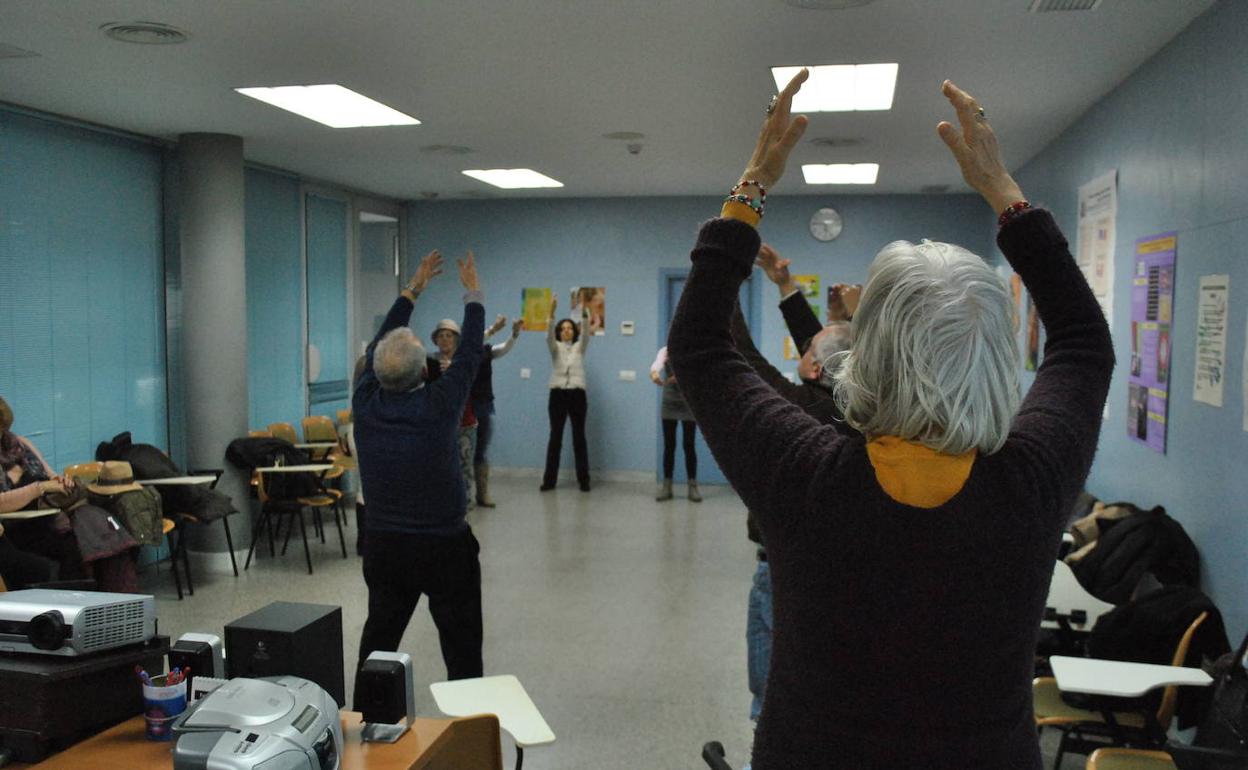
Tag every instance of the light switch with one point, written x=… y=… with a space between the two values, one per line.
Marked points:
x=627 y=328
x=525 y=372
x=628 y=375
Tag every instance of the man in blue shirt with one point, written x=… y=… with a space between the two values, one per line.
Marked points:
x=406 y=433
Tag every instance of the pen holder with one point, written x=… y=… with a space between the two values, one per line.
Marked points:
x=162 y=704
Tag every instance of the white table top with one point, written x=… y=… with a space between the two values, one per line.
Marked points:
x=318 y=445
x=1065 y=595
x=1120 y=678
x=178 y=480
x=20 y=515
x=502 y=696
x=316 y=468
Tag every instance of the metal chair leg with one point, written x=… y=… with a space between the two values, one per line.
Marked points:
x=229 y=541
x=173 y=565
x=186 y=562
x=342 y=541
x=303 y=530
x=255 y=536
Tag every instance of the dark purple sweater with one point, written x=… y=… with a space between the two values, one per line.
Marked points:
x=904 y=637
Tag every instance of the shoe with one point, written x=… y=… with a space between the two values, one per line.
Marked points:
x=483 y=486
x=665 y=491
x=584 y=486
x=545 y=487
x=694 y=495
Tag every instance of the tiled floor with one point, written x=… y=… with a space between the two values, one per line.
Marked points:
x=623 y=617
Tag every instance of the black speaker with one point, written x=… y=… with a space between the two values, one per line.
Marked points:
x=292 y=638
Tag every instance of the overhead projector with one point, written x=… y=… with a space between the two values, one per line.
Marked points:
x=52 y=622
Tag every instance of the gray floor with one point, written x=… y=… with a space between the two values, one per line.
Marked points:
x=623 y=617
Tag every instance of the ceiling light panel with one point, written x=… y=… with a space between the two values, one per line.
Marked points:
x=513 y=178
x=841 y=173
x=332 y=105
x=841 y=87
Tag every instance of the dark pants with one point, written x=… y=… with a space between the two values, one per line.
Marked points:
x=39 y=537
x=398 y=568
x=20 y=569
x=669 y=448
x=484 y=411
x=565 y=404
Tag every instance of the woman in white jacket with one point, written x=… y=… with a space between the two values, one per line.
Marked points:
x=567 y=343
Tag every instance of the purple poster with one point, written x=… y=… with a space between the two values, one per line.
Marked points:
x=1152 y=311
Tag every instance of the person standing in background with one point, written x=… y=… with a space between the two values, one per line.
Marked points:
x=674 y=410
x=567 y=343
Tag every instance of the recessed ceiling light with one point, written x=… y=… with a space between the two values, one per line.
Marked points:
x=513 y=178
x=840 y=173
x=842 y=87
x=332 y=105
x=145 y=32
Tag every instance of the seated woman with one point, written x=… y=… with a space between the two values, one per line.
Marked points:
x=24 y=477
x=909 y=564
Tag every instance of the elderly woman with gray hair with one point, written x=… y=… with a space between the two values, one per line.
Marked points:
x=900 y=639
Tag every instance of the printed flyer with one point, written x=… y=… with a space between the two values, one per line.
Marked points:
x=1152 y=312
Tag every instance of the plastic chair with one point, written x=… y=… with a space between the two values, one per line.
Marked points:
x=1119 y=727
x=272 y=510
x=259 y=434
x=185 y=519
x=344 y=416
x=318 y=428
x=85 y=472
x=284 y=431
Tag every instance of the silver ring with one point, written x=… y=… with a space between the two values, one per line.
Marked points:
x=771 y=106
x=980 y=114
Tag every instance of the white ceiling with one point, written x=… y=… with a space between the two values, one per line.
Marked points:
x=537 y=83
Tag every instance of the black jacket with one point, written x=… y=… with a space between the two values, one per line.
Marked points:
x=251 y=453
x=149 y=462
x=1145 y=541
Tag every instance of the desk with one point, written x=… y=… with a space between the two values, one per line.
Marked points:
x=500 y=695
x=317 y=445
x=1120 y=678
x=1066 y=597
x=464 y=744
x=188 y=481
x=22 y=515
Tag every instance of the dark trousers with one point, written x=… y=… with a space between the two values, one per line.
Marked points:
x=398 y=568
x=564 y=404
x=484 y=410
x=19 y=568
x=669 y=448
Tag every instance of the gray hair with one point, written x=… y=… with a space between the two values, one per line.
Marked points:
x=399 y=360
x=830 y=348
x=934 y=358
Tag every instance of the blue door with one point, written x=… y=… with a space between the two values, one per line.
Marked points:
x=672 y=282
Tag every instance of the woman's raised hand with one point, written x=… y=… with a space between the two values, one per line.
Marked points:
x=554 y=303
x=430 y=266
x=778 y=137
x=974 y=145
x=468 y=272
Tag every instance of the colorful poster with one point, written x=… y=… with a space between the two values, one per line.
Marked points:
x=1098 y=214
x=808 y=285
x=1152 y=307
x=594 y=298
x=790 y=350
x=1211 y=338
x=535 y=309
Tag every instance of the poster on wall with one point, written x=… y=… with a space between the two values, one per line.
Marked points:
x=1211 y=338
x=1098 y=214
x=595 y=299
x=1152 y=313
x=790 y=350
x=535 y=309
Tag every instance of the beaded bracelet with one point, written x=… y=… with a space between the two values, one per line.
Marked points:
x=1012 y=211
x=762 y=193
x=747 y=200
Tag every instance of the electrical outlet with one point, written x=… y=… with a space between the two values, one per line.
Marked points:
x=525 y=372
x=628 y=375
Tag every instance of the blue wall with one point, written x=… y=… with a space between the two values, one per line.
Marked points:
x=623 y=244
x=1175 y=132
x=82 y=336
x=274 y=243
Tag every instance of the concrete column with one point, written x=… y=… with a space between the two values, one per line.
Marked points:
x=214 y=317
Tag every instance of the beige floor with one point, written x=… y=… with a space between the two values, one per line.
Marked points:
x=623 y=617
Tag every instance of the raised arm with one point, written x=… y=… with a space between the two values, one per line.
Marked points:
x=1060 y=419
x=401 y=311
x=586 y=332
x=551 y=339
x=503 y=348
x=450 y=391
x=656 y=368
x=744 y=344
x=500 y=321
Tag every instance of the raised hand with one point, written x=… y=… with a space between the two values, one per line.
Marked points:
x=554 y=303
x=779 y=135
x=974 y=145
x=776 y=268
x=499 y=322
x=430 y=267
x=468 y=272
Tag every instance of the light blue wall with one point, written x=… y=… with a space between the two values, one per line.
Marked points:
x=1176 y=133
x=326 y=225
x=82 y=338
x=274 y=242
x=623 y=244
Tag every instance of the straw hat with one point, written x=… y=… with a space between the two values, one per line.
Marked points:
x=115 y=477
x=446 y=324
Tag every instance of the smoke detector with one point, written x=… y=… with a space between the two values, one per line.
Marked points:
x=1048 y=6
x=144 y=32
